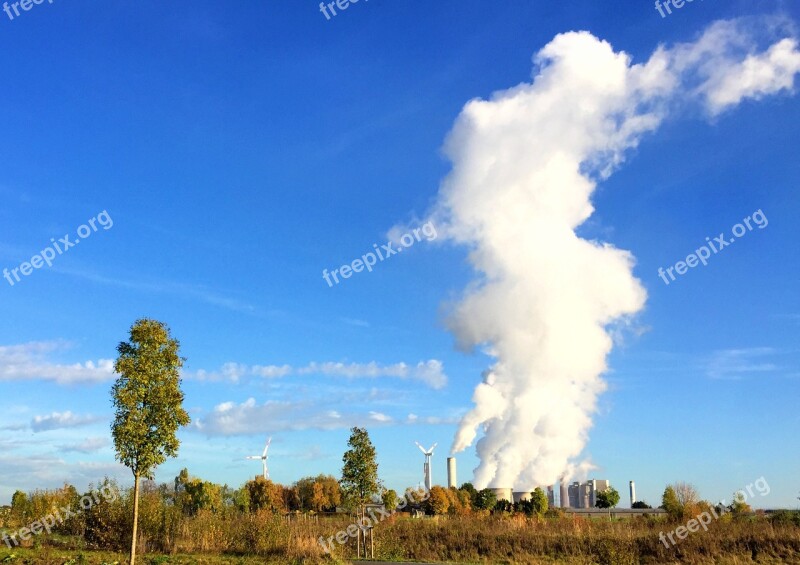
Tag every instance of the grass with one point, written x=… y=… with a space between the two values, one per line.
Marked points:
x=512 y=540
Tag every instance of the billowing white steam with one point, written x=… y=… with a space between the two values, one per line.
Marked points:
x=525 y=165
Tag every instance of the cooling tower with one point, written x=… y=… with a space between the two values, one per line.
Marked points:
x=521 y=495
x=451 y=473
x=564 y=495
x=503 y=493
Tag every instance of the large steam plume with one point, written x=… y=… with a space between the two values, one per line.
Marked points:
x=525 y=165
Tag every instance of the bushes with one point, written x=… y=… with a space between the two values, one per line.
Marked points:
x=262 y=533
x=106 y=525
x=169 y=526
x=786 y=517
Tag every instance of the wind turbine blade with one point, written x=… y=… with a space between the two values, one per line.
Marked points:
x=266 y=447
x=433 y=447
x=422 y=449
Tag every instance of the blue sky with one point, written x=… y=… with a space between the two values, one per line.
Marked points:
x=242 y=149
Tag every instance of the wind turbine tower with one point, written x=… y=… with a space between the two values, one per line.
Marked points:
x=263 y=458
x=427 y=468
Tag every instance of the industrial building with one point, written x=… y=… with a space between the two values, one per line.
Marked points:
x=576 y=495
x=584 y=495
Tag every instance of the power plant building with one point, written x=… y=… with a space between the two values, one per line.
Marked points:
x=584 y=495
x=576 y=495
x=551 y=497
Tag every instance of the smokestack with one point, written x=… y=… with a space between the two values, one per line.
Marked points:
x=633 y=493
x=451 y=473
x=564 y=494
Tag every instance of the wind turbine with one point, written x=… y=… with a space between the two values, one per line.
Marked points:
x=263 y=458
x=427 y=467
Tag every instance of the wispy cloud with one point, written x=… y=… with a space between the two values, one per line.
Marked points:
x=61 y=420
x=183 y=290
x=89 y=445
x=13 y=427
x=355 y=322
x=435 y=420
x=29 y=361
x=313 y=453
x=48 y=471
x=252 y=418
x=736 y=364
x=429 y=372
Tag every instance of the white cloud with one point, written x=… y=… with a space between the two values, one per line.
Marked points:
x=431 y=372
x=729 y=65
x=231 y=372
x=29 y=361
x=525 y=165
x=250 y=417
x=60 y=420
x=272 y=371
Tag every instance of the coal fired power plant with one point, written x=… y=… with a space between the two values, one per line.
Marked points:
x=581 y=495
x=576 y=495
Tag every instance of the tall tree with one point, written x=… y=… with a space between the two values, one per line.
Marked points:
x=687 y=495
x=360 y=472
x=470 y=490
x=389 y=499
x=539 y=501
x=148 y=404
x=670 y=503
x=438 y=503
x=486 y=499
x=608 y=498
x=264 y=495
x=20 y=508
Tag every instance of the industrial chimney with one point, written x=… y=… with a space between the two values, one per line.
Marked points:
x=633 y=493
x=451 y=473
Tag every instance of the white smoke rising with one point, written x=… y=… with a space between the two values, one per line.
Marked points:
x=525 y=165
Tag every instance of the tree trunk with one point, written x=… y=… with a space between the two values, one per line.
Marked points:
x=135 y=516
